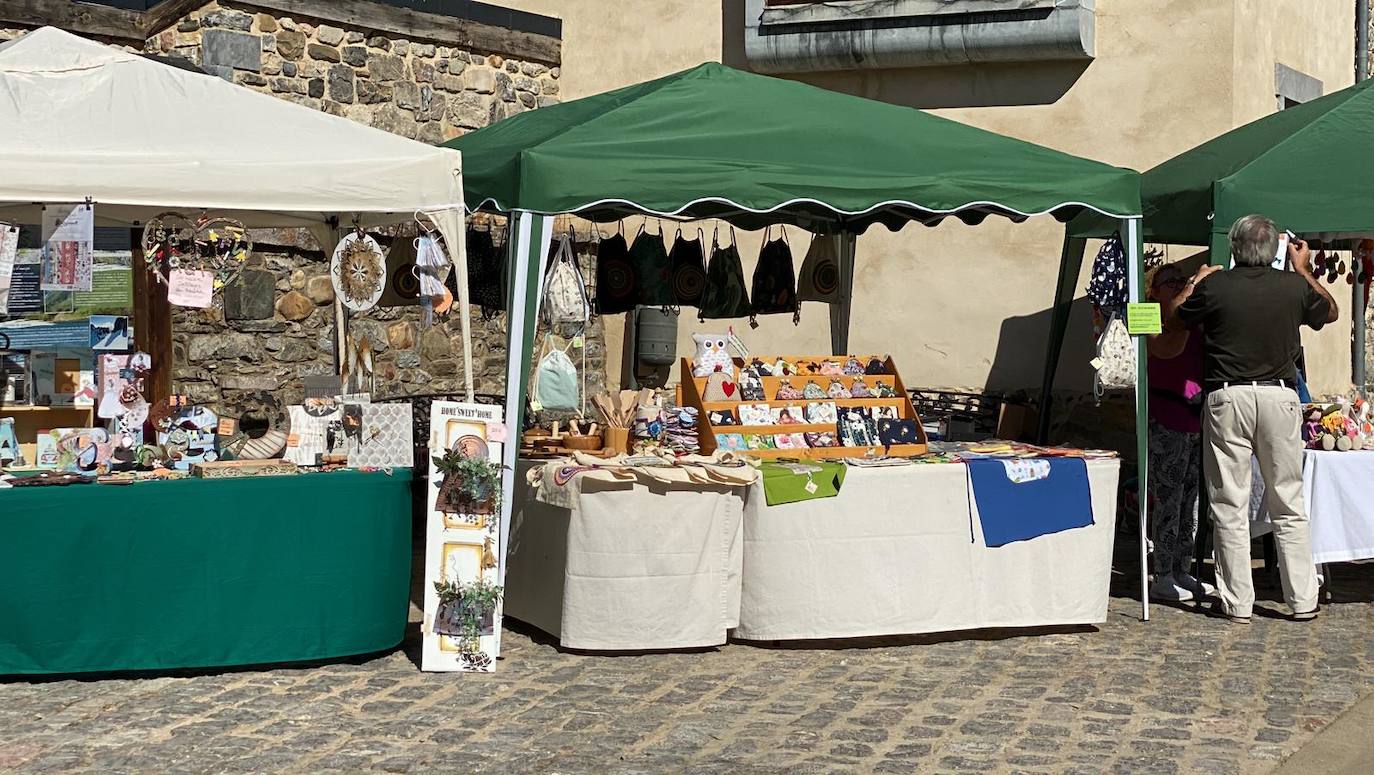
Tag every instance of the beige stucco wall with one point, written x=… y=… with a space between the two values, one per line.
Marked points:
x=966 y=306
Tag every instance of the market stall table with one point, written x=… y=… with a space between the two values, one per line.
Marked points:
x=1335 y=488
x=626 y=565
x=203 y=573
x=898 y=552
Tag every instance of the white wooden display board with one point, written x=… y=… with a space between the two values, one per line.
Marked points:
x=462 y=547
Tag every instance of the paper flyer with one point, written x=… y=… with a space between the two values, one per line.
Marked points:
x=68 y=234
x=9 y=249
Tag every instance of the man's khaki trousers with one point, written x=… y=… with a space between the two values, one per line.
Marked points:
x=1242 y=420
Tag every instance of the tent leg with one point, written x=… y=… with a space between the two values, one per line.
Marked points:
x=840 y=311
x=1070 y=264
x=527 y=248
x=1135 y=250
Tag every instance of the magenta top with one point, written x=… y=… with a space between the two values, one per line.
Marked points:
x=1176 y=388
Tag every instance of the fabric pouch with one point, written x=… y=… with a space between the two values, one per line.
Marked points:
x=788 y=392
x=812 y=390
x=725 y=295
x=838 y=390
x=860 y=389
x=892 y=432
x=719 y=387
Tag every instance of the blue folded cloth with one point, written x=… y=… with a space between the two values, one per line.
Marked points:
x=1023 y=499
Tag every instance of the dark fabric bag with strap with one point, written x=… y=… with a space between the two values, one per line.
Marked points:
x=687 y=260
x=615 y=280
x=653 y=275
x=486 y=273
x=775 y=282
x=725 y=295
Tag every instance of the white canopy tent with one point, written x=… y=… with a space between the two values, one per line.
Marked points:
x=81 y=120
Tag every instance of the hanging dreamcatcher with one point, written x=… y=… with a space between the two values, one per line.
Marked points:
x=358 y=271
x=220 y=246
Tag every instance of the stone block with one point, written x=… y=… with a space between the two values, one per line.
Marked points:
x=251 y=297
x=341 y=83
x=219 y=71
x=449 y=83
x=545 y=101
x=481 y=81
x=468 y=110
x=430 y=133
x=289 y=69
x=505 y=87
x=434 y=344
x=295 y=306
x=425 y=50
x=523 y=84
x=266 y=23
x=456 y=66
x=354 y=37
x=330 y=36
x=320 y=289
x=334 y=108
x=189 y=24
x=228 y=19
x=251 y=79
x=408 y=95
x=435 y=106
x=250 y=382
x=316 y=87
x=533 y=69
x=322 y=53
x=371 y=92
x=295 y=351
x=290 y=44
x=390 y=118
x=355 y=56
x=385 y=67
x=526 y=99
x=238 y=50
x=401 y=335
x=548 y=87
x=421 y=71
x=271 y=64
x=377 y=41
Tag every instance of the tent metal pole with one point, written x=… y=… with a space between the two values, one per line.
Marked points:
x=1135 y=250
x=845 y=242
x=1070 y=264
x=527 y=250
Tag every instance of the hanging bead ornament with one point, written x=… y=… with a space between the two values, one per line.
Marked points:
x=217 y=245
x=358 y=271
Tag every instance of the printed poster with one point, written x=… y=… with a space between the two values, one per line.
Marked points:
x=462 y=625
x=68 y=236
x=9 y=250
x=25 y=296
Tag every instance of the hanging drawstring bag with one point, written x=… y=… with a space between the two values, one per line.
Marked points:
x=775 y=285
x=687 y=262
x=653 y=276
x=1115 y=361
x=819 y=278
x=615 y=279
x=555 y=379
x=486 y=273
x=725 y=295
x=565 y=292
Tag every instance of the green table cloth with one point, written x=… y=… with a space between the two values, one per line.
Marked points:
x=203 y=573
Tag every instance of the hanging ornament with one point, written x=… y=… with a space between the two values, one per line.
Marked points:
x=358 y=271
x=1319 y=263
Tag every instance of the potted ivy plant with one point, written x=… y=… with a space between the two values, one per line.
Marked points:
x=470 y=484
x=466 y=611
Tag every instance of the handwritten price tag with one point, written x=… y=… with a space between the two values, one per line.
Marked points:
x=190 y=288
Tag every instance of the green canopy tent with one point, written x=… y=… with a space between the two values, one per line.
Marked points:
x=1308 y=168
x=714 y=142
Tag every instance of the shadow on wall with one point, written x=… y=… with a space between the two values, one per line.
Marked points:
x=958 y=86
x=1019 y=363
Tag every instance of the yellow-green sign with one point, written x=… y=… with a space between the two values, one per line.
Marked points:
x=1143 y=319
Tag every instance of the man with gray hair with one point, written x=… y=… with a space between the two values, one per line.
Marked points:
x=1249 y=317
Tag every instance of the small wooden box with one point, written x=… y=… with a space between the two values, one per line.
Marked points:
x=691 y=390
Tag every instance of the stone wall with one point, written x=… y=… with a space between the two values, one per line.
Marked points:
x=423 y=90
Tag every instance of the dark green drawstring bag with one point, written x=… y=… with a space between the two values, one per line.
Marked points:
x=726 y=295
x=653 y=273
x=775 y=282
x=615 y=279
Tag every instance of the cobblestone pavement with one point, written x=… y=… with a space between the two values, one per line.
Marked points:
x=1182 y=693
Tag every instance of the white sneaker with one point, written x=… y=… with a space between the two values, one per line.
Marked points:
x=1187 y=581
x=1166 y=590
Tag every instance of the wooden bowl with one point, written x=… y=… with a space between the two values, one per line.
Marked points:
x=583 y=442
x=548 y=442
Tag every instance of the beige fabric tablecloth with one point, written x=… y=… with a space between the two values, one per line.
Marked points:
x=628 y=565
x=892 y=555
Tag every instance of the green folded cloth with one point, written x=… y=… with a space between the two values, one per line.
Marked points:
x=792 y=482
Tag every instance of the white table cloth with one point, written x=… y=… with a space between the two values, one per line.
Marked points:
x=893 y=554
x=1338 y=489
x=628 y=566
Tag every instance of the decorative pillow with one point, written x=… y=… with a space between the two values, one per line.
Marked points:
x=838 y=390
x=821 y=439
x=711 y=355
x=787 y=392
x=821 y=412
x=892 y=432
x=720 y=387
x=722 y=417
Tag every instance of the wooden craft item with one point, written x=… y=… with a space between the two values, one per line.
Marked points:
x=235 y=469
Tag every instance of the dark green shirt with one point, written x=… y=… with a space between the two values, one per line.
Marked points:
x=1249 y=316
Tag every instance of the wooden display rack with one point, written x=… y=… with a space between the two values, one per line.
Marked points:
x=692 y=388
